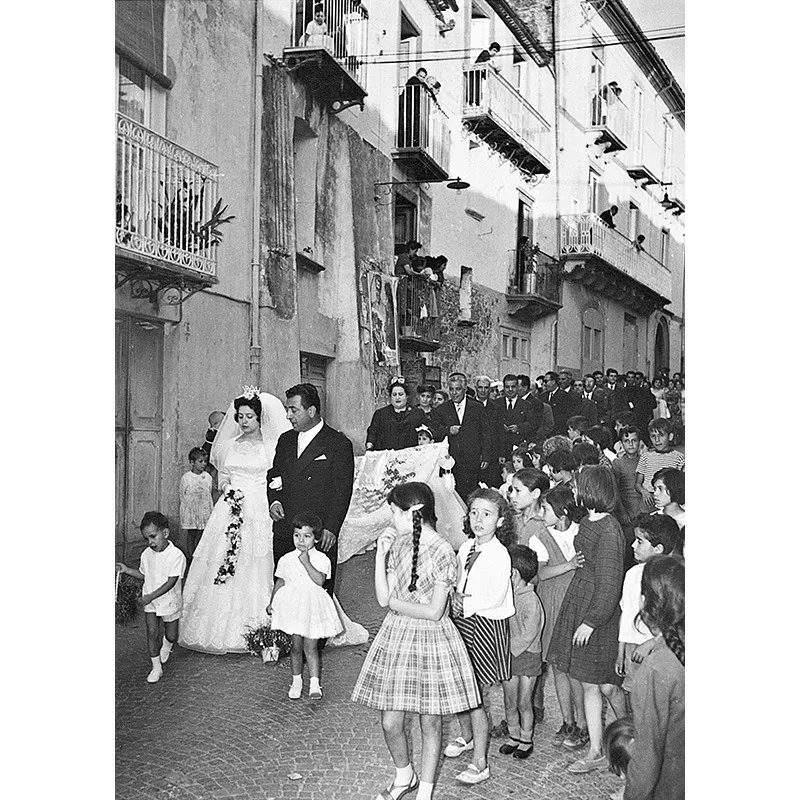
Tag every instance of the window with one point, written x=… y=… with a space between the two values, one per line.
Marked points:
x=638 y=121
x=314 y=370
x=667 y=144
x=409 y=49
x=524 y=350
x=592 y=340
x=518 y=60
x=139 y=97
x=664 y=256
x=594 y=192
x=514 y=347
x=506 y=349
x=465 y=295
x=597 y=104
x=515 y=352
x=405 y=221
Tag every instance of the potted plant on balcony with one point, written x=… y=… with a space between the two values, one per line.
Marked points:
x=178 y=222
x=268 y=643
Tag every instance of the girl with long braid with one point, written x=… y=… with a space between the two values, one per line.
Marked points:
x=417 y=662
x=656 y=766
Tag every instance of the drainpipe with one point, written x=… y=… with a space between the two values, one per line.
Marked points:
x=255 y=263
x=557 y=160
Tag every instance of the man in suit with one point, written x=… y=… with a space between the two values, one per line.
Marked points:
x=463 y=420
x=614 y=390
x=521 y=419
x=586 y=408
x=596 y=395
x=312 y=472
x=524 y=387
x=561 y=402
x=491 y=476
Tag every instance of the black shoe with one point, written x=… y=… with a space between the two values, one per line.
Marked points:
x=524 y=750
x=507 y=749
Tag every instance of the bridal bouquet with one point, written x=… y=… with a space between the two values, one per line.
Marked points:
x=234 y=498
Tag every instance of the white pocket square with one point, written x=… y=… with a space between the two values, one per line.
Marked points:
x=276 y=483
x=323 y=457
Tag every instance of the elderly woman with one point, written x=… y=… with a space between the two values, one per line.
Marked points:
x=394 y=427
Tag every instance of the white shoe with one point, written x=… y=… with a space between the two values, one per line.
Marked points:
x=164 y=654
x=458 y=747
x=473 y=775
x=295 y=690
x=155 y=675
x=315 y=693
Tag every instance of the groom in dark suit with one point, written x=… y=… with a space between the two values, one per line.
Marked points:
x=312 y=472
x=464 y=421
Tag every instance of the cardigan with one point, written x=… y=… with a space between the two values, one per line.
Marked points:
x=488 y=585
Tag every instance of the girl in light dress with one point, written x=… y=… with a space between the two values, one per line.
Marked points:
x=196 y=503
x=418 y=662
x=482 y=607
x=301 y=607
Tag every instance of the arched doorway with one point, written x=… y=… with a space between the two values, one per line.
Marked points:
x=661 y=359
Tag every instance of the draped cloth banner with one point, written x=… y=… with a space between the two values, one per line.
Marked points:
x=377 y=472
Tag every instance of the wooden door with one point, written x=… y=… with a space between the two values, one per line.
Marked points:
x=139 y=423
x=630 y=344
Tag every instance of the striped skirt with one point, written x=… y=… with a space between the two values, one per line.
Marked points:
x=488 y=642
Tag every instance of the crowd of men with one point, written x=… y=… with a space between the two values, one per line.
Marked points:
x=486 y=425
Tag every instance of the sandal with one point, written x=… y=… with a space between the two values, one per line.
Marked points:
x=386 y=794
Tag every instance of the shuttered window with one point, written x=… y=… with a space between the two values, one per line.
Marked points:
x=140 y=36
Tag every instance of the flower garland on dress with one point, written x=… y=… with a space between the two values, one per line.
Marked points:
x=234 y=498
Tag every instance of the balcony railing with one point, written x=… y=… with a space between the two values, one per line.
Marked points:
x=418 y=315
x=516 y=127
x=532 y=272
x=609 y=119
x=423 y=135
x=165 y=194
x=584 y=235
x=343 y=33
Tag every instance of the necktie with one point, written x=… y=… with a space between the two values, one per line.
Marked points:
x=472 y=556
x=510 y=406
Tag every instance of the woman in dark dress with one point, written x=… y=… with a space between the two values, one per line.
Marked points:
x=584 y=642
x=394 y=427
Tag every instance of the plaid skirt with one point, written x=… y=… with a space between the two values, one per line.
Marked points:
x=417 y=665
x=488 y=643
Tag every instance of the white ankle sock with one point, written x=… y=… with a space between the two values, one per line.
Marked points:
x=404 y=775
x=425 y=791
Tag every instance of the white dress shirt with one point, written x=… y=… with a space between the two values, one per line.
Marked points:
x=304 y=437
x=460 y=409
x=489 y=591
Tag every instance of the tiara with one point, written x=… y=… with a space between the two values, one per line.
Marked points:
x=249 y=392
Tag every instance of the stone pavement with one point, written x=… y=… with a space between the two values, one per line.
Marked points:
x=223 y=727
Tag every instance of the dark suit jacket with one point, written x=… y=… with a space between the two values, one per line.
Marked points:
x=615 y=401
x=564 y=405
x=526 y=415
x=320 y=481
x=588 y=409
x=473 y=443
x=495 y=418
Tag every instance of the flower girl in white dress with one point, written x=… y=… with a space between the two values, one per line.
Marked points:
x=300 y=606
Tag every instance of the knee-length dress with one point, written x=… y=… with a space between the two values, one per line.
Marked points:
x=415 y=664
x=551 y=592
x=592 y=597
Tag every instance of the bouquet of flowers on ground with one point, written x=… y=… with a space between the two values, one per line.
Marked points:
x=263 y=641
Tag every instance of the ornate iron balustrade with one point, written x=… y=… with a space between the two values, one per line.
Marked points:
x=346 y=33
x=532 y=272
x=587 y=235
x=489 y=94
x=417 y=312
x=422 y=126
x=164 y=195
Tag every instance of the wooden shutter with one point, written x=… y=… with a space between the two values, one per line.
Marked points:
x=140 y=36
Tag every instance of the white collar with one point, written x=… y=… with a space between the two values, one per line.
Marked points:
x=311 y=432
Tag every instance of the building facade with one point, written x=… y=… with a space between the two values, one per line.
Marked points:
x=270 y=170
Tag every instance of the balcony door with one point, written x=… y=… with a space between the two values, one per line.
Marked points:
x=409 y=49
x=138 y=423
x=592 y=341
x=630 y=343
x=597 y=105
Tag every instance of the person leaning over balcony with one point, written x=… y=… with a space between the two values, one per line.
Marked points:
x=403 y=265
x=487 y=56
x=410 y=111
x=608 y=216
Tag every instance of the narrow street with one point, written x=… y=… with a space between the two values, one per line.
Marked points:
x=223 y=727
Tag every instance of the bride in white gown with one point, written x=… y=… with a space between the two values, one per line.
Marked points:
x=228 y=588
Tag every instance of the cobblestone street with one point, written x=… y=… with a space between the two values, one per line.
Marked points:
x=223 y=727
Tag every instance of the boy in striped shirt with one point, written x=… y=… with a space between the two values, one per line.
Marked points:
x=661 y=454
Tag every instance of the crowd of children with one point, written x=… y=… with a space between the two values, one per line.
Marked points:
x=574 y=568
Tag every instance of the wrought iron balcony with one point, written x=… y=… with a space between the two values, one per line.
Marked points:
x=494 y=110
x=166 y=197
x=608 y=121
x=534 y=283
x=329 y=56
x=418 y=314
x=644 y=160
x=422 y=143
x=609 y=262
